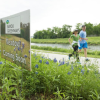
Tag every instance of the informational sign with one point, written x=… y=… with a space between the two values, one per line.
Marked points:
x=15 y=39
x=13 y=25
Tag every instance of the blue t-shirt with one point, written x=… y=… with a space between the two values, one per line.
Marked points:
x=82 y=34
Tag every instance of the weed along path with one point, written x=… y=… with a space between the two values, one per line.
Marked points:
x=60 y=56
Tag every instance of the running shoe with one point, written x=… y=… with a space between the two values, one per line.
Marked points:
x=68 y=57
x=86 y=59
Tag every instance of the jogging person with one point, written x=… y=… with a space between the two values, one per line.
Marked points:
x=75 y=36
x=82 y=42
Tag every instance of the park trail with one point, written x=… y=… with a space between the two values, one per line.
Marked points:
x=64 y=56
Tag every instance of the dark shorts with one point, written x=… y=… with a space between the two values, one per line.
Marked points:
x=75 y=48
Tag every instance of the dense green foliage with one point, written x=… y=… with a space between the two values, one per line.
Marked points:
x=65 y=31
x=70 y=81
x=55 y=32
x=49 y=78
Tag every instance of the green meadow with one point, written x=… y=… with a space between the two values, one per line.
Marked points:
x=91 y=40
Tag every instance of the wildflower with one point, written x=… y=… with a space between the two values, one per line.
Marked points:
x=18 y=49
x=14 y=49
x=75 y=65
x=88 y=71
x=82 y=71
x=36 y=66
x=36 y=73
x=62 y=63
x=34 y=55
x=40 y=61
x=69 y=73
x=20 y=42
x=49 y=59
x=29 y=51
x=55 y=60
x=42 y=56
x=59 y=61
x=0 y=62
x=59 y=64
x=25 y=56
x=82 y=66
x=96 y=72
x=67 y=63
x=23 y=44
x=72 y=68
x=47 y=62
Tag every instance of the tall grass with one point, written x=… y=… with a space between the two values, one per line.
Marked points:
x=89 y=52
x=52 y=49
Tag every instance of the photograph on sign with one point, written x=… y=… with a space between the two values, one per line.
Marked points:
x=15 y=39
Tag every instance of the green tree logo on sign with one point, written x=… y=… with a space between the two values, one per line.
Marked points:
x=7 y=22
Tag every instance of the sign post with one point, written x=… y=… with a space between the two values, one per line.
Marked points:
x=15 y=39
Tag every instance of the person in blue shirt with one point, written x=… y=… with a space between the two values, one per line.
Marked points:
x=82 y=42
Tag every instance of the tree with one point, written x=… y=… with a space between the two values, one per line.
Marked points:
x=66 y=30
x=79 y=26
x=89 y=29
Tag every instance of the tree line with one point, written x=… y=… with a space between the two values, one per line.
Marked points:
x=65 y=31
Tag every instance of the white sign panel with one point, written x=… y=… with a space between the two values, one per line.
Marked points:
x=12 y=25
x=15 y=39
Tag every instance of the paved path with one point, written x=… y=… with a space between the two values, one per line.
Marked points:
x=61 y=56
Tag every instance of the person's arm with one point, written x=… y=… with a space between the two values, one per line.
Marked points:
x=69 y=40
x=84 y=38
x=80 y=39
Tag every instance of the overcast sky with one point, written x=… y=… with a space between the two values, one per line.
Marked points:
x=49 y=13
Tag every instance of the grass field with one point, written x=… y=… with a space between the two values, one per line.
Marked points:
x=91 y=40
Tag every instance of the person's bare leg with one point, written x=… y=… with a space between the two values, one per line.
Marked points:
x=85 y=52
x=79 y=50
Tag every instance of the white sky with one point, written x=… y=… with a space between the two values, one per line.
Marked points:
x=49 y=13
